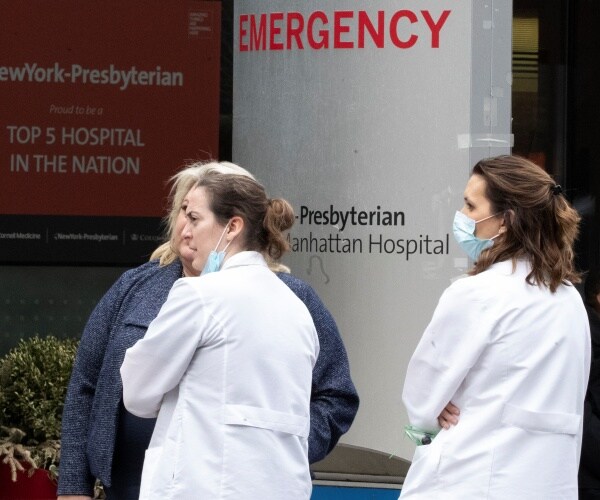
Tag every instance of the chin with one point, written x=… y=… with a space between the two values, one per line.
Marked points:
x=186 y=255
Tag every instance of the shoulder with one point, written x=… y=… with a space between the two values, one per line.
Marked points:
x=302 y=289
x=499 y=275
x=469 y=285
x=144 y=283
x=478 y=290
x=145 y=289
x=322 y=317
x=152 y=272
x=292 y=281
x=134 y=273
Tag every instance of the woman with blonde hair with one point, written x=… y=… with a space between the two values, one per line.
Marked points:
x=100 y=438
x=495 y=389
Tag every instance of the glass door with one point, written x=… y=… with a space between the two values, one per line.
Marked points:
x=555 y=103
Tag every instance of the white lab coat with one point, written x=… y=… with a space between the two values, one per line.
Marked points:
x=227 y=366
x=515 y=359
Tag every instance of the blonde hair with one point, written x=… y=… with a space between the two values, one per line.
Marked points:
x=181 y=183
x=540 y=224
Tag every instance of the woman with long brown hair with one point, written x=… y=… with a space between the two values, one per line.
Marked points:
x=495 y=388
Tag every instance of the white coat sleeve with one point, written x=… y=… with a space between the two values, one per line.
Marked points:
x=157 y=362
x=452 y=343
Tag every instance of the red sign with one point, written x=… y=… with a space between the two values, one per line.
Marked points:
x=102 y=101
x=344 y=29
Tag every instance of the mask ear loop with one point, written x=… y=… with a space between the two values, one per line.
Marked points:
x=502 y=229
x=221 y=238
x=226 y=246
x=488 y=217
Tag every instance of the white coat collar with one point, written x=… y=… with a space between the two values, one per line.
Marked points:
x=506 y=267
x=247 y=258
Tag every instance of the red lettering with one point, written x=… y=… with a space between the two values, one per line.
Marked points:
x=348 y=29
x=435 y=27
x=376 y=34
x=275 y=31
x=243 y=45
x=258 y=39
x=323 y=43
x=295 y=31
x=394 y=29
x=339 y=29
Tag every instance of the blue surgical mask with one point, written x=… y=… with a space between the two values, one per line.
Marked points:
x=215 y=259
x=464 y=233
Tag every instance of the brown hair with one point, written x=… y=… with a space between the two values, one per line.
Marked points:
x=264 y=219
x=540 y=224
x=181 y=183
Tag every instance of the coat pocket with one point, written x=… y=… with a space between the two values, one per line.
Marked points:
x=264 y=418
x=556 y=423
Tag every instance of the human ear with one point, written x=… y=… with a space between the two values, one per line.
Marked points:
x=507 y=218
x=236 y=226
x=502 y=228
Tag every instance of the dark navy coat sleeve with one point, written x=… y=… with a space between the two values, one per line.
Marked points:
x=91 y=410
x=334 y=400
x=75 y=476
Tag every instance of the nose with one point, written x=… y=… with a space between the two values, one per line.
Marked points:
x=186 y=233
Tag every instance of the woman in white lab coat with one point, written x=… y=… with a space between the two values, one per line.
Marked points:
x=227 y=363
x=503 y=365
